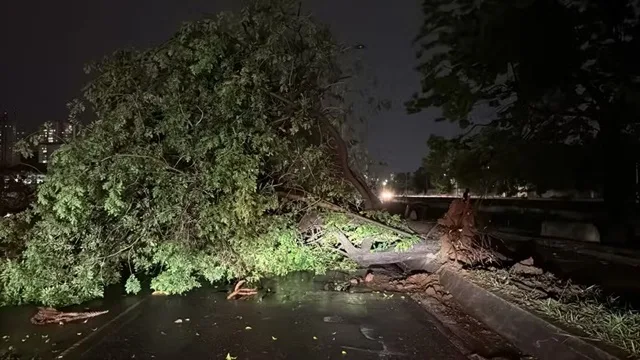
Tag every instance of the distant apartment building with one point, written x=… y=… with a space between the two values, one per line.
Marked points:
x=8 y=138
x=52 y=136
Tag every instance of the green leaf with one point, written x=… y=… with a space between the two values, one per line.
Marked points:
x=132 y=286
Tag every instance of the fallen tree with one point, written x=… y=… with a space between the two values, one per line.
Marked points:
x=454 y=238
x=215 y=156
x=179 y=176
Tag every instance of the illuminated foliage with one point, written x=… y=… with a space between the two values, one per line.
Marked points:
x=178 y=176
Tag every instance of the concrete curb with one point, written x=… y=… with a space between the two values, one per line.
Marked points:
x=530 y=333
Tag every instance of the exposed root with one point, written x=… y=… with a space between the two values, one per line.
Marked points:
x=369 y=277
x=53 y=316
x=462 y=243
x=240 y=292
x=467 y=249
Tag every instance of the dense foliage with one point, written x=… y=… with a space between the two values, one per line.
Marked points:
x=496 y=162
x=520 y=86
x=178 y=177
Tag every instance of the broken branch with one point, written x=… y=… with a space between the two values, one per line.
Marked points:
x=329 y=206
x=239 y=291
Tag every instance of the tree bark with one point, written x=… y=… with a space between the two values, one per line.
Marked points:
x=420 y=255
x=371 y=201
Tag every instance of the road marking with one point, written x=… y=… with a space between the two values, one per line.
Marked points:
x=100 y=329
x=382 y=354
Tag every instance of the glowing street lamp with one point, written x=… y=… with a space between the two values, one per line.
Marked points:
x=386 y=195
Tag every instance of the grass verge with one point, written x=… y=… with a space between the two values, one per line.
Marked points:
x=602 y=318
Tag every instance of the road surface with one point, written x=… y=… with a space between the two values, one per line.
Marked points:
x=204 y=325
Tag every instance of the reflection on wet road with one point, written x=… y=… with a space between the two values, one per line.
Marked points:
x=295 y=319
x=320 y=325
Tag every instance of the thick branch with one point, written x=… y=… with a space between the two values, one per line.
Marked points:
x=366 y=244
x=371 y=201
x=389 y=257
x=347 y=244
x=473 y=127
x=427 y=251
x=365 y=257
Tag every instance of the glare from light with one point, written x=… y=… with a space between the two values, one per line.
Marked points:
x=386 y=195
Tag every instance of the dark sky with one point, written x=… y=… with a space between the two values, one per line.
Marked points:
x=44 y=45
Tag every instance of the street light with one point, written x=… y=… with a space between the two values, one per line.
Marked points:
x=386 y=195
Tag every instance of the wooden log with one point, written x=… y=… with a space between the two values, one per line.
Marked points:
x=418 y=257
x=392 y=257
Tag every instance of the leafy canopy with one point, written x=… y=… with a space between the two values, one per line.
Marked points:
x=178 y=175
x=503 y=75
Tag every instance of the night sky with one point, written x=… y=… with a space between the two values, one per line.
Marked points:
x=44 y=45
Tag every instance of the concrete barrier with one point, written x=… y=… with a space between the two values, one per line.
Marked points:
x=570 y=230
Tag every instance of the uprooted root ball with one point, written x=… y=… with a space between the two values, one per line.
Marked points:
x=462 y=243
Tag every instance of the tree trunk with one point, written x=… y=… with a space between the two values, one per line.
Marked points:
x=371 y=201
x=422 y=256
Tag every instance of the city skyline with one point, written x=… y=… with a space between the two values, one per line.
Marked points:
x=52 y=134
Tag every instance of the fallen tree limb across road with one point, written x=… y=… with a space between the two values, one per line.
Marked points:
x=364 y=257
x=458 y=239
x=423 y=251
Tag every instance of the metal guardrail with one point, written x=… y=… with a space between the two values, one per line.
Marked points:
x=498 y=198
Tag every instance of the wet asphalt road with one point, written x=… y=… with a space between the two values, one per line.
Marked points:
x=317 y=325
